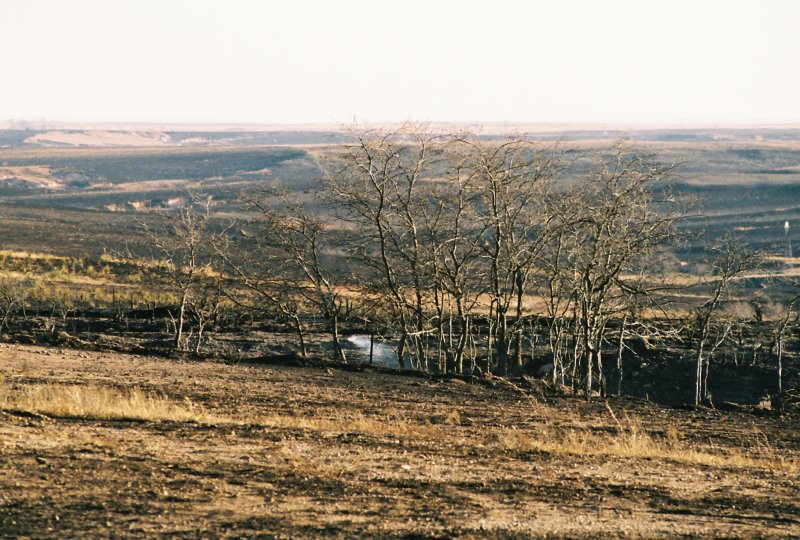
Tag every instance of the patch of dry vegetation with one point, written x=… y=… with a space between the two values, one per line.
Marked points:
x=630 y=439
x=392 y=425
x=244 y=451
x=55 y=283
x=97 y=401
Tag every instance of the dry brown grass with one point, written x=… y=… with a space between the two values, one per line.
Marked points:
x=301 y=452
x=103 y=402
x=631 y=440
x=30 y=255
x=627 y=437
x=352 y=422
x=95 y=401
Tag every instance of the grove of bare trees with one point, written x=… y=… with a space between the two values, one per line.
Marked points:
x=468 y=255
x=463 y=250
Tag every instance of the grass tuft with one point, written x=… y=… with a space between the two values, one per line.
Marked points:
x=95 y=401
x=631 y=440
x=392 y=425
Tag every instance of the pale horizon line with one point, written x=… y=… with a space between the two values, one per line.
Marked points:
x=540 y=127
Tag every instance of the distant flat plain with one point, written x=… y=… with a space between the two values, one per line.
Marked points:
x=80 y=181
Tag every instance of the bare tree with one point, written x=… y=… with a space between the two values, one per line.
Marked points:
x=205 y=305
x=454 y=231
x=511 y=182
x=788 y=316
x=622 y=215
x=731 y=261
x=553 y=287
x=13 y=297
x=442 y=221
x=378 y=181
x=182 y=254
x=304 y=240
x=258 y=272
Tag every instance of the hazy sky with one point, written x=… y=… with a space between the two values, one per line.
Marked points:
x=625 y=61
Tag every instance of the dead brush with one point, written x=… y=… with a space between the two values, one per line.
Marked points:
x=305 y=461
x=356 y=422
x=96 y=401
x=630 y=439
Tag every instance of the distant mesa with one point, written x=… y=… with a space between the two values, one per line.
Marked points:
x=99 y=138
x=53 y=134
x=30 y=177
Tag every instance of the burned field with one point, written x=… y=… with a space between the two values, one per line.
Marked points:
x=743 y=179
x=208 y=449
x=194 y=366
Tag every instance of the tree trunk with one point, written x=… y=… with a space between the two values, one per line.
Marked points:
x=298 y=328
x=698 y=379
x=520 y=329
x=558 y=344
x=371 y=345
x=201 y=325
x=419 y=345
x=502 y=341
x=619 y=354
x=180 y=321
x=780 y=372
x=401 y=351
x=699 y=374
x=601 y=376
x=337 y=346
x=589 y=357
x=576 y=354
x=492 y=328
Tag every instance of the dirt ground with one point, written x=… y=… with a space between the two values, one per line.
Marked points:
x=288 y=452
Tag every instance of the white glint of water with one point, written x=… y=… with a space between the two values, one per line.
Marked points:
x=383 y=354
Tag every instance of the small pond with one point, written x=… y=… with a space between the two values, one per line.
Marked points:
x=384 y=353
